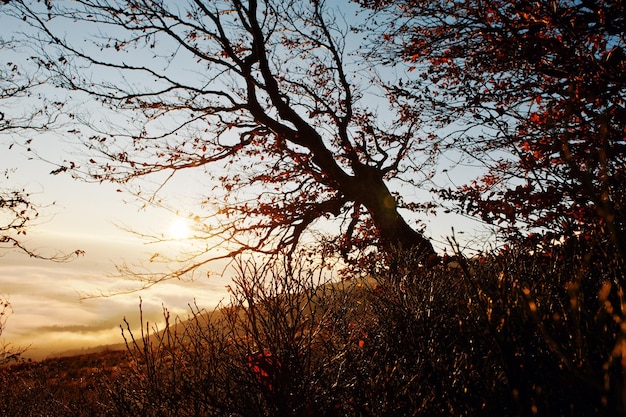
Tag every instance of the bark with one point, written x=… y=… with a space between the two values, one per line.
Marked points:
x=368 y=188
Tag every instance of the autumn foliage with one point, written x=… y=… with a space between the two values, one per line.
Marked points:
x=263 y=100
x=536 y=92
x=531 y=95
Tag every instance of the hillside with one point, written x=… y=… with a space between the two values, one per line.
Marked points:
x=65 y=386
x=502 y=336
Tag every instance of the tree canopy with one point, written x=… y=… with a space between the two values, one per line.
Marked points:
x=537 y=93
x=295 y=115
x=268 y=98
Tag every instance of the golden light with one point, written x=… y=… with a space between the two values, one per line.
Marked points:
x=179 y=229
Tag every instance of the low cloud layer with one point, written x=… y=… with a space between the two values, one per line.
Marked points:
x=51 y=317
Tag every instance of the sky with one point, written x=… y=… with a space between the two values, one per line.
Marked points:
x=53 y=305
x=59 y=306
x=54 y=308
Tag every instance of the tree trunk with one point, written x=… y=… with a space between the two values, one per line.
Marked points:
x=369 y=189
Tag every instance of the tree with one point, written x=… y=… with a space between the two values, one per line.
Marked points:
x=263 y=96
x=536 y=93
x=14 y=205
x=17 y=210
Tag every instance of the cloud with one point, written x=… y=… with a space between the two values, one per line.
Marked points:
x=50 y=316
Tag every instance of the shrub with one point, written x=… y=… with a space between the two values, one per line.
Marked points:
x=535 y=329
x=276 y=349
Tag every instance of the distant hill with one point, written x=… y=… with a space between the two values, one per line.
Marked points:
x=89 y=351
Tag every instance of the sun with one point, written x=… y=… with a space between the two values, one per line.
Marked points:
x=179 y=229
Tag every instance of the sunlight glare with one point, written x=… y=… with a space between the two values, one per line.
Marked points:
x=179 y=229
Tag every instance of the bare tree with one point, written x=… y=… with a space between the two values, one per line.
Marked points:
x=263 y=96
x=280 y=347
x=17 y=210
